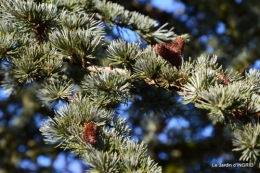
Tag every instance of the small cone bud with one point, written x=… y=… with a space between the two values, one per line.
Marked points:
x=223 y=79
x=172 y=52
x=91 y=133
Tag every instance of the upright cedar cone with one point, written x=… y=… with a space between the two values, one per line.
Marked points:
x=223 y=79
x=172 y=52
x=91 y=133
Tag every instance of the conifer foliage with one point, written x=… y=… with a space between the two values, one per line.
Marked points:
x=61 y=48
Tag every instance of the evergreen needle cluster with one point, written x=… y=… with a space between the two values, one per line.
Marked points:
x=61 y=48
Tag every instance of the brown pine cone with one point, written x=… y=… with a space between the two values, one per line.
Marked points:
x=91 y=133
x=172 y=52
x=223 y=79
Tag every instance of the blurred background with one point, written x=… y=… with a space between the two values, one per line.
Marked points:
x=180 y=140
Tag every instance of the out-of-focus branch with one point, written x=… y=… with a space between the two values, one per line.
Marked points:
x=96 y=69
